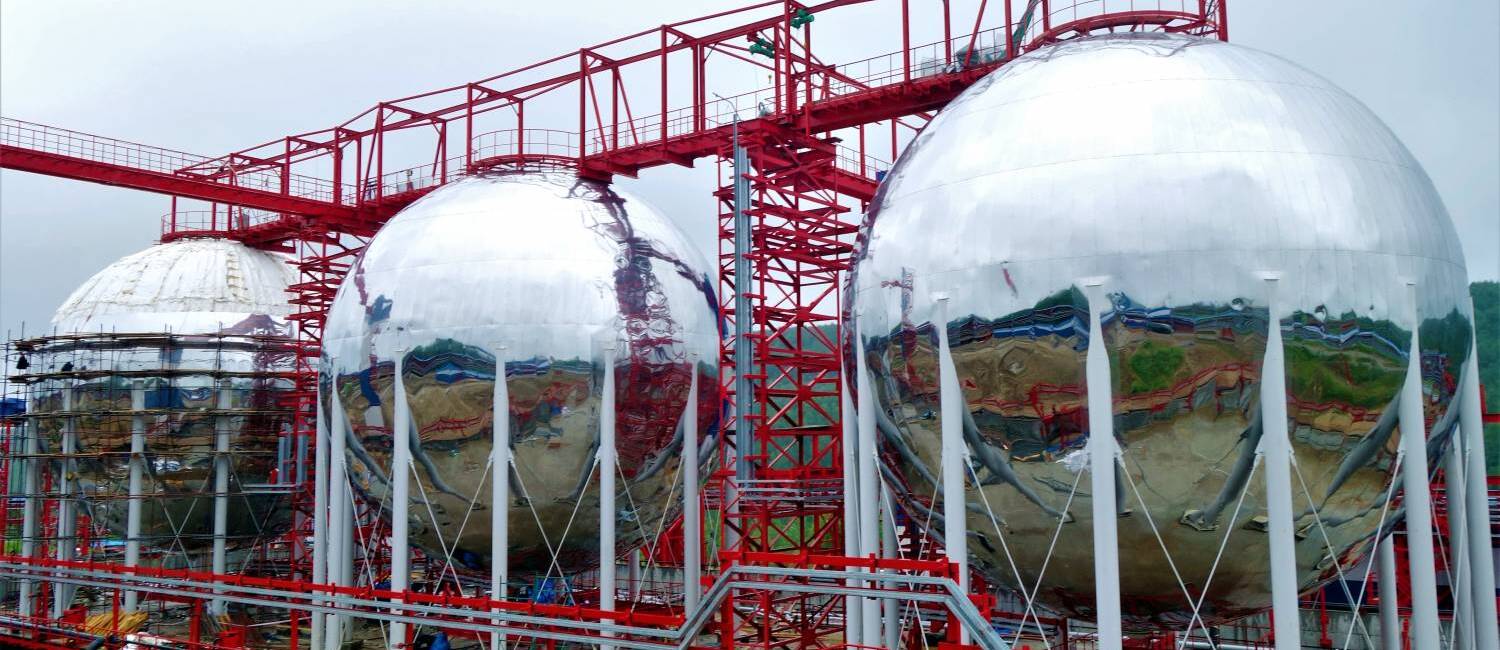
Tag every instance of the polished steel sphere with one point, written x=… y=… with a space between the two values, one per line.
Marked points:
x=183 y=342
x=545 y=272
x=1183 y=172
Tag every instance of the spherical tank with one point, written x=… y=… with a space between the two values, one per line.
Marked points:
x=1182 y=173
x=184 y=345
x=543 y=275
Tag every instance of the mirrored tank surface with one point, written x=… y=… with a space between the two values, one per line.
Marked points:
x=1182 y=171
x=544 y=272
x=181 y=343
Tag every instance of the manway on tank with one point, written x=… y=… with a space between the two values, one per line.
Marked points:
x=535 y=278
x=1181 y=173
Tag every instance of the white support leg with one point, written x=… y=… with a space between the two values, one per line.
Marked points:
x=1458 y=542
x=30 y=512
x=137 y=478
x=222 y=426
x=888 y=550
x=607 y=513
x=338 y=516
x=320 y=519
x=500 y=492
x=869 y=516
x=955 y=502
x=1277 y=450
x=692 y=508
x=850 y=440
x=1102 y=449
x=1390 y=622
x=400 y=500
x=67 y=513
x=1416 y=494
x=1481 y=554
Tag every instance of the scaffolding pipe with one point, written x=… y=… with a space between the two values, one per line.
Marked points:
x=869 y=543
x=850 y=440
x=137 y=477
x=607 y=565
x=1390 y=624
x=1277 y=450
x=1102 y=450
x=320 y=517
x=221 y=491
x=692 y=512
x=400 y=500
x=955 y=502
x=500 y=491
x=1481 y=553
x=1417 y=492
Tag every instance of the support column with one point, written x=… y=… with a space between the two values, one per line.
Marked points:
x=1416 y=493
x=30 y=512
x=1458 y=542
x=1390 y=622
x=869 y=517
x=221 y=491
x=955 y=502
x=67 y=511
x=1277 y=450
x=400 y=499
x=607 y=566
x=339 y=519
x=888 y=550
x=692 y=508
x=1481 y=553
x=1102 y=450
x=320 y=518
x=850 y=442
x=500 y=498
x=137 y=477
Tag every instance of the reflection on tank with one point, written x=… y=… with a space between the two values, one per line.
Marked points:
x=1153 y=163
x=550 y=269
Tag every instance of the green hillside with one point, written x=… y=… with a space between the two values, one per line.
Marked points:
x=1487 y=323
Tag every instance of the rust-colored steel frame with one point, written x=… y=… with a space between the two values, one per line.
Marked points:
x=319 y=195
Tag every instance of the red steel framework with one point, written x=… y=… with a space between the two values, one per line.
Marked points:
x=627 y=105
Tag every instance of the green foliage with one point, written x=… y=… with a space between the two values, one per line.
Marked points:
x=1154 y=365
x=1487 y=325
x=1348 y=377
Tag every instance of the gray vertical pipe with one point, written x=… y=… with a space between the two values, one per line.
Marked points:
x=1102 y=450
x=401 y=443
x=869 y=515
x=500 y=490
x=222 y=426
x=608 y=567
x=338 y=516
x=30 y=510
x=67 y=517
x=1481 y=552
x=137 y=477
x=888 y=550
x=848 y=420
x=320 y=518
x=955 y=502
x=1277 y=450
x=744 y=396
x=692 y=507
x=1416 y=492
x=1390 y=622
x=1458 y=542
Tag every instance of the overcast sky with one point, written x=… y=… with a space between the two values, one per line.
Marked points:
x=212 y=77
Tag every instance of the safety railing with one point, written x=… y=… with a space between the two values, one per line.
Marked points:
x=75 y=144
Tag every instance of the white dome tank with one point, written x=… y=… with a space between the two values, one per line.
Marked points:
x=1180 y=170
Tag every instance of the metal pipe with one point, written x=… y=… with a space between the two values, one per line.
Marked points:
x=320 y=516
x=607 y=565
x=692 y=512
x=1462 y=637
x=400 y=499
x=221 y=491
x=30 y=510
x=1417 y=493
x=744 y=316
x=500 y=490
x=1277 y=450
x=1390 y=624
x=1102 y=450
x=955 y=502
x=62 y=595
x=1481 y=553
x=892 y=623
x=868 y=480
x=338 y=515
x=850 y=440
x=137 y=477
